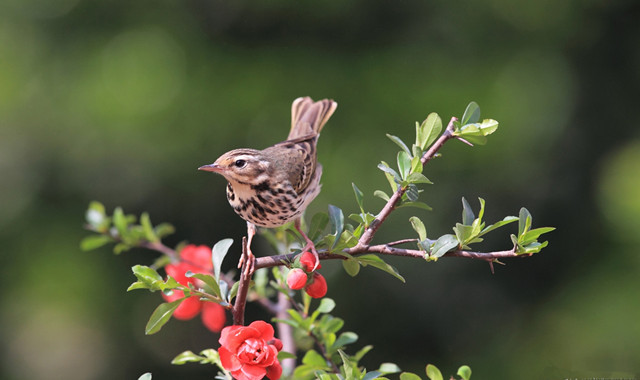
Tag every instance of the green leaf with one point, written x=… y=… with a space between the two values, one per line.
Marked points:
x=481 y=212
x=362 y=352
x=471 y=114
x=473 y=139
x=164 y=229
x=464 y=372
x=145 y=376
x=533 y=235
x=381 y=194
x=392 y=177
x=385 y=168
x=505 y=221
x=314 y=359
x=433 y=372
x=409 y=376
x=467 y=213
x=359 y=196
x=419 y=227
x=120 y=222
x=400 y=143
x=347 y=365
x=404 y=164
x=207 y=279
x=318 y=223
x=187 y=357
x=336 y=220
x=147 y=227
x=161 y=315
x=286 y=355
x=488 y=126
x=412 y=193
x=371 y=375
x=464 y=234
x=326 y=305
x=418 y=178
x=420 y=205
x=94 y=241
x=524 y=222
x=218 y=252
x=147 y=275
x=428 y=131
x=387 y=368
x=375 y=261
x=444 y=244
x=346 y=338
x=351 y=266
x=416 y=164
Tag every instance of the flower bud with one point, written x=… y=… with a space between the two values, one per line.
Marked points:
x=296 y=279
x=308 y=261
x=318 y=286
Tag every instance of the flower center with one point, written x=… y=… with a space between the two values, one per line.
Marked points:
x=252 y=351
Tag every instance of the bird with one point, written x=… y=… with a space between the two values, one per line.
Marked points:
x=272 y=187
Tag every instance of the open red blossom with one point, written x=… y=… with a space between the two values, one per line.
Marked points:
x=250 y=352
x=318 y=286
x=308 y=261
x=196 y=259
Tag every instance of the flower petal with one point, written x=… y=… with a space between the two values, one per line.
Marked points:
x=275 y=371
x=188 y=308
x=253 y=372
x=232 y=337
x=229 y=361
x=199 y=256
x=265 y=330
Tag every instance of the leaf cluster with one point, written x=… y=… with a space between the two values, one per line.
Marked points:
x=124 y=230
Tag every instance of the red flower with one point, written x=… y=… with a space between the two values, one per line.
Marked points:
x=250 y=352
x=196 y=259
x=318 y=286
x=296 y=279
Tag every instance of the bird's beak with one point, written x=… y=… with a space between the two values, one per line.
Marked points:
x=211 y=168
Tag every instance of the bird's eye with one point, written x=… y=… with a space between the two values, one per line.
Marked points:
x=240 y=163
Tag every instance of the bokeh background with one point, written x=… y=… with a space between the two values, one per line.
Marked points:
x=121 y=101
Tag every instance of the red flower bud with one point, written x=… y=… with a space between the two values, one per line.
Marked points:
x=296 y=279
x=318 y=286
x=308 y=261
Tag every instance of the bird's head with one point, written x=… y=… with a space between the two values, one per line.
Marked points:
x=244 y=166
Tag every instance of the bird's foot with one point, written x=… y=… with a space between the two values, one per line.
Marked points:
x=248 y=260
x=310 y=246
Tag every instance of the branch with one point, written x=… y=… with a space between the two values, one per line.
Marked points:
x=368 y=234
x=385 y=249
x=243 y=287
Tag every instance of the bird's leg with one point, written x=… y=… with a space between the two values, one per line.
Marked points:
x=310 y=246
x=248 y=256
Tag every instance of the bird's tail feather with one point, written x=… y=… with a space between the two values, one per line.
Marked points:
x=308 y=117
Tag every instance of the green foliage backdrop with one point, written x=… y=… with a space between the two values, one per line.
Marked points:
x=121 y=101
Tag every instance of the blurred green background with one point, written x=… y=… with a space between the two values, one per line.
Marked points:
x=121 y=101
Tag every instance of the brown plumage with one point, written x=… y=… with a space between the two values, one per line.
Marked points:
x=271 y=187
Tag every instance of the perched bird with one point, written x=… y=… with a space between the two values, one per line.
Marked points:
x=271 y=187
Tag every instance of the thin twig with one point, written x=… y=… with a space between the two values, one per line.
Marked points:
x=391 y=204
x=243 y=288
